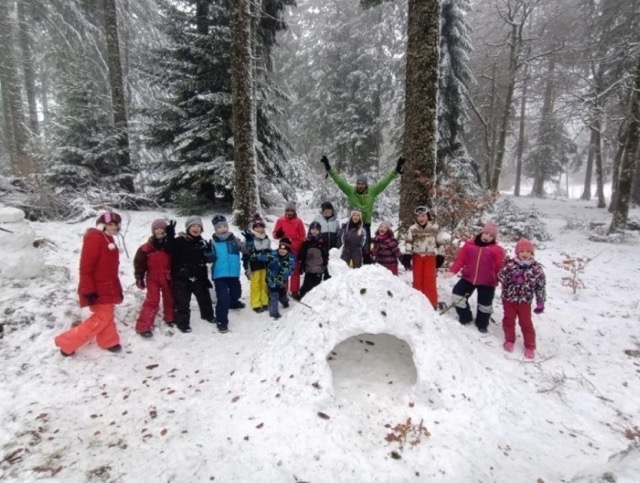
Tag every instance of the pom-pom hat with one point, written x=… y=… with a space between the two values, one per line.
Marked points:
x=490 y=228
x=157 y=224
x=524 y=245
x=257 y=221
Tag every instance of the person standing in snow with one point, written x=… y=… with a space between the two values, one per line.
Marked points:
x=354 y=238
x=225 y=272
x=362 y=196
x=153 y=263
x=385 y=250
x=424 y=247
x=257 y=241
x=291 y=227
x=480 y=260
x=99 y=288
x=280 y=265
x=329 y=229
x=522 y=278
x=190 y=254
x=313 y=259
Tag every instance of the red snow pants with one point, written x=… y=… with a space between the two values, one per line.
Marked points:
x=424 y=276
x=151 y=304
x=101 y=325
x=523 y=313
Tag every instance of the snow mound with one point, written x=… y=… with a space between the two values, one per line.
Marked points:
x=18 y=259
x=367 y=309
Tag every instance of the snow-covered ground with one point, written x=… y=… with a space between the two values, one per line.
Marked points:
x=362 y=382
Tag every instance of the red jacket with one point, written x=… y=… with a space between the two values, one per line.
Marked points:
x=99 y=269
x=153 y=260
x=293 y=229
x=480 y=263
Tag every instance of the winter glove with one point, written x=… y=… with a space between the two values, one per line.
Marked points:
x=92 y=298
x=539 y=307
x=170 y=230
x=439 y=261
x=406 y=261
x=399 y=164
x=206 y=245
x=280 y=233
x=248 y=236
x=140 y=283
x=324 y=160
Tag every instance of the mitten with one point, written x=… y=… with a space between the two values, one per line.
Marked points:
x=324 y=160
x=92 y=298
x=439 y=261
x=406 y=261
x=279 y=233
x=539 y=307
x=399 y=164
x=248 y=236
x=170 y=230
x=140 y=283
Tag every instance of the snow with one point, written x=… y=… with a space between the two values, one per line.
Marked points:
x=18 y=258
x=317 y=395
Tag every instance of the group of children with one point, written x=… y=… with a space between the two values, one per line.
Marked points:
x=172 y=267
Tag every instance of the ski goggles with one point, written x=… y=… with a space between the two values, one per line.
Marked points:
x=111 y=218
x=422 y=210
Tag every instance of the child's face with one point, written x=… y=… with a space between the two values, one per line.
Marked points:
x=289 y=213
x=486 y=237
x=314 y=231
x=194 y=230
x=422 y=218
x=525 y=255
x=282 y=251
x=328 y=213
x=355 y=217
x=259 y=229
x=111 y=228
x=382 y=229
x=222 y=228
x=159 y=233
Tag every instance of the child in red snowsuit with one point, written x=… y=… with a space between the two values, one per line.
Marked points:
x=291 y=227
x=153 y=262
x=522 y=279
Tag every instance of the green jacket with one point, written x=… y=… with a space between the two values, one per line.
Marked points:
x=364 y=200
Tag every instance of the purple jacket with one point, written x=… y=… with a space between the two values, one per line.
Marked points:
x=385 y=249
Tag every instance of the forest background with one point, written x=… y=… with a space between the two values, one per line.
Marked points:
x=206 y=105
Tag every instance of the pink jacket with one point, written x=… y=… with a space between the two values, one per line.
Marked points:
x=480 y=263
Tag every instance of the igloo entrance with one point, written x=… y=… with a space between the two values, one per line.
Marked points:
x=372 y=363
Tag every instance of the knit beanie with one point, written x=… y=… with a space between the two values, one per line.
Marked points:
x=362 y=178
x=356 y=210
x=257 y=221
x=316 y=225
x=193 y=220
x=157 y=224
x=290 y=205
x=285 y=242
x=218 y=221
x=387 y=223
x=326 y=205
x=490 y=228
x=524 y=245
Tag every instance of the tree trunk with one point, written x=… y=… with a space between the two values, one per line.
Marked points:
x=617 y=160
x=597 y=126
x=629 y=161
x=586 y=192
x=118 y=103
x=245 y=190
x=514 y=56
x=521 y=141
x=545 y=118
x=418 y=182
x=24 y=29
x=15 y=129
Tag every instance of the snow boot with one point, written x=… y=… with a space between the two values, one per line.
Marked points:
x=529 y=353
x=508 y=346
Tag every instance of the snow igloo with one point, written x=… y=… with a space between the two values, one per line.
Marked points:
x=19 y=259
x=362 y=333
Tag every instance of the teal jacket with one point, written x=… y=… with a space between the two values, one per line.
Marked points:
x=367 y=198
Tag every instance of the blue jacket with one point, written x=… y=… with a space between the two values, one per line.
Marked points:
x=226 y=261
x=278 y=268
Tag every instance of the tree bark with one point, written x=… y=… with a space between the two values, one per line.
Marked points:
x=521 y=132
x=617 y=160
x=245 y=198
x=588 y=175
x=596 y=127
x=118 y=102
x=21 y=163
x=24 y=29
x=629 y=161
x=418 y=182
